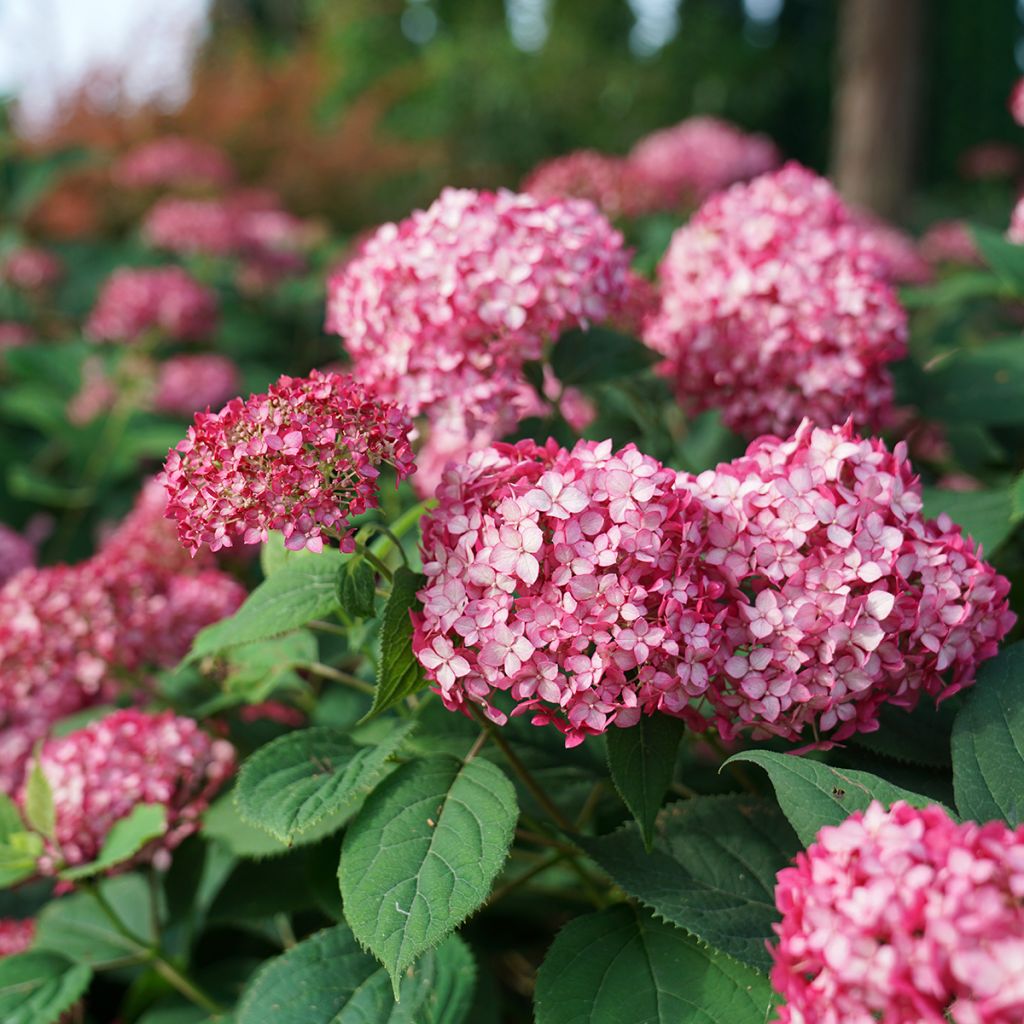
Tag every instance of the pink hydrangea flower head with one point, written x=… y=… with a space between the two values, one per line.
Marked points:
x=17 y=552
x=897 y=251
x=567 y=585
x=903 y=916
x=773 y=308
x=165 y=300
x=302 y=458
x=613 y=184
x=99 y=774
x=1017 y=102
x=190 y=226
x=841 y=595
x=173 y=161
x=1015 y=233
x=700 y=156
x=950 y=241
x=31 y=269
x=189 y=383
x=16 y=935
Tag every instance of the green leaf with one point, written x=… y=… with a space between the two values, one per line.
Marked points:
x=224 y=825
x=293 y=596
x=19 y=853
x=919 y=737
x=328 y=979
x=37 y=987
x=598 y=354
x=450 y=998
x=712 y=871
x=642 y=762
x=986 y=516
x=301 y=778
x=952 y=290
x=621 y=966
x=39 y=812
x=813 y=794
x=256 y=670
x=988 y=742
x=127 y=836
x=421 y=855
x=10 y=818
x=398 y=672
x=357 y=587
x=1004 y=257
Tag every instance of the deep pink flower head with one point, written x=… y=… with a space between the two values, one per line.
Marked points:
x=1015 y=233
x=188 y=383
x=174 y=162
x=773 y=308
x=302 y=458
x=207 y=226
x=841 y=596
x=31 y=269
x=950 y=241
x=570 y=581
x=99 y=774
x=16 y=935
x=700 y=156
x=906 y=917
x=17 y=552
x=166 y=300
x=613 y=184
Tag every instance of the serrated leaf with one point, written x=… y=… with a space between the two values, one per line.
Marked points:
x=256 y=670
x=37 y=987
x=812 y=794
x=642 y=760
x=621 y=966
x=328 y=979
x=19 y=854
x=398 y=672
x=712 y=870
x=986 y=516
x=39 y=811
x=10 y=818
x=988 y=742
x=598 y=354
x=450 y=998
x=357 y=588
x=293 y=596
x=301 y=778
x=126 y=837
x=421 y=855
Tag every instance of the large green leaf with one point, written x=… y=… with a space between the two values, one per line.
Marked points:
x=642 y=762
x=421 y=855
x=813 y=794
x=127 y=836
x=19 y=849
x=988 y=742
x=357 y=586
x=621 y=966
x=298 y=593
x=39 y=810
x=301 y=778
x=1003 y=256
x=712 y=870
x=38 y=986
x=920 y=737
x=255 y=671
x=398 y=672
x=450 y=998
x=598 y=354
x=986 y=516
x=328 y=979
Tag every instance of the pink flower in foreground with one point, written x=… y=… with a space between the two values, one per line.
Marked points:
x=174 y=162
x=700 y=156
x=31 y=269
x=189 y=383
x=166 y=300
x=302 y=458
x=950 y=241
x=774 y=308
x=570 y=581
x=842 y=596
x=99 y=774
x=16 y=935
x=906 y=917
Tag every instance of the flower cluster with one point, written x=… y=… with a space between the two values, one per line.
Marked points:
x=99 y=774
x=302 y=458
x=166 y=300
x=31 y=269
x=1017 y=101
x=950 y=241
x=1015 y=233
x=613 y=184
x=189 y=383
x=14 y=335
x=441 y=311
x=700 y=156
x=774 y=307
x=570 y=580
x=903 y=916
x=174 y=162
x=188 y=226
x=16 y=935
x=841 y=596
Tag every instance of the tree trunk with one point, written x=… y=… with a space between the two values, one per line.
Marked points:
x=876 y=102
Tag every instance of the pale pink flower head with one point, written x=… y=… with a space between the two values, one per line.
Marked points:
x=16 y=935
x=1015 y=233
x=192 y=226
x=100 y=774
x=700 y=156
x=903 y=916
x=173 y=161
x=950 y=241
x=188 y=383
x=167 y=301
x=842 y=596
x=774 y=308
x=303 y=459
x=31 y=269
x=567 y=585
